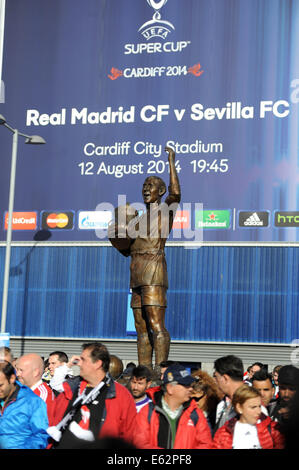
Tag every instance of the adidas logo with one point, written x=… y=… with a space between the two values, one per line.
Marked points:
x=253 y=220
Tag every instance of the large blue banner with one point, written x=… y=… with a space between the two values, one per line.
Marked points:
x=109 y=83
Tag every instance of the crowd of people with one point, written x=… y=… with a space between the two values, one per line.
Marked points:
x=59 y=403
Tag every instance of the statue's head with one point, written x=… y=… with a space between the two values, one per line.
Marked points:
x=153 y=189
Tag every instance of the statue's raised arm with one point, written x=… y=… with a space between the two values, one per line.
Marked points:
x=174 y=185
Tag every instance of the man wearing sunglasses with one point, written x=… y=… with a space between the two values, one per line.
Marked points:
x=173 y=420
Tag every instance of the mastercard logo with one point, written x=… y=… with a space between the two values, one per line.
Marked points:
x=58 y=220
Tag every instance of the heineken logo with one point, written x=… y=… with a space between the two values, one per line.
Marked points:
x=213 y=219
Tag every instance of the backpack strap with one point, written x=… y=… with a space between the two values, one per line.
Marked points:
x=194 y=416
x=151 y=407
x=269 y=428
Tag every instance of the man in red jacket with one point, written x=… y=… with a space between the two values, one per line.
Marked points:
x=94 y=407
x=173 y=420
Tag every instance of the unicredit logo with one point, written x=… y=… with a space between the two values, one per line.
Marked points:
x=57 y=220
x=22 y=221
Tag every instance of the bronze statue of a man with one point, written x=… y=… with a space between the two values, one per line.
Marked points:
x=148 y=280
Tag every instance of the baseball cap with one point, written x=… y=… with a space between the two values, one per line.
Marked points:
x=128 y=370
x=177 y=373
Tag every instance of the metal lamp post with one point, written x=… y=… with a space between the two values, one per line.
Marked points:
x=34 y=139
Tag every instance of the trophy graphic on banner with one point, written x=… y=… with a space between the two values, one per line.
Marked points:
x=156 y=27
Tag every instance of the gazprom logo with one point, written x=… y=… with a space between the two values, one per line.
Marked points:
x=156 y=27
x=93 y=220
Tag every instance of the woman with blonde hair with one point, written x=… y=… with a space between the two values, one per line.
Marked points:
x=251 y=429
x=207 y=394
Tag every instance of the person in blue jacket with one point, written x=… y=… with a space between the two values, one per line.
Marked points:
x=23 y=414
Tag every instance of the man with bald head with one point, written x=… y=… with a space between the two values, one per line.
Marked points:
x=30 y=369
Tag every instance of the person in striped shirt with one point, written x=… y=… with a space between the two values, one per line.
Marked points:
x=30 y=368
x=139 y=382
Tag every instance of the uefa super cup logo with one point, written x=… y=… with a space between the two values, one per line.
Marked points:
x=156 y=5
x=156 y=27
